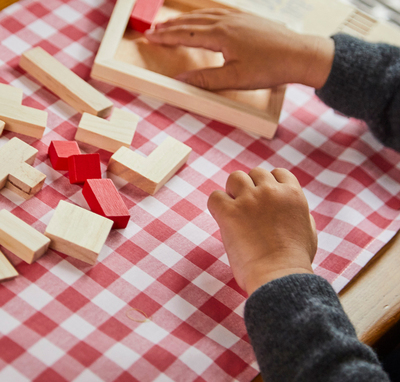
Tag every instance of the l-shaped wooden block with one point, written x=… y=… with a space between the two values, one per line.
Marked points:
x=151 y=173
x=16 y=172
x=108 y=135
x=18 y=118
x=65 y=83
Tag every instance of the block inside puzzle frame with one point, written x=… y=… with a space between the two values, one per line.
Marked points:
x=143 y=14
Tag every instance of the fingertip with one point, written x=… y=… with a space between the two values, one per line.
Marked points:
x=214 y=200
x=182 y=77
x=151 y=35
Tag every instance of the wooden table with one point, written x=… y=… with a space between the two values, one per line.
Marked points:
x=6 y=3
x=372 y=298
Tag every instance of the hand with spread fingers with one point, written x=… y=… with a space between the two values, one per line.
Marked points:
x=258 y=53
x=265 y=225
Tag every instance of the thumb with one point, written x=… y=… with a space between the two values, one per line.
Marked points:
x=222 y=78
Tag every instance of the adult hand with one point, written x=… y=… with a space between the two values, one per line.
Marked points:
x=258 y=53
x=265 y=225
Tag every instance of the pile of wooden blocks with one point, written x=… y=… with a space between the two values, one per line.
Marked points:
x=74 y=230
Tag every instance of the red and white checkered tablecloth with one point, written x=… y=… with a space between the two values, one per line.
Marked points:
x=63 y=320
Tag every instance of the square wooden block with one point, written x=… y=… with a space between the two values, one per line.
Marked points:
x=78 y=232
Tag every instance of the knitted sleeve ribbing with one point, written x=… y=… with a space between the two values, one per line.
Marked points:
x=364 y=83
x=299 y=332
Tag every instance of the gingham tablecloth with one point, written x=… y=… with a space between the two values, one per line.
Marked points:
x=62 y=319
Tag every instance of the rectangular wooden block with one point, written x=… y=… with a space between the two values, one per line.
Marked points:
x=64 y=83
x=77 y=232
x=108 y=135
x=144 y=13
x=104 y=199
x=7 y=271
x=20 y=238
x=151 y=173
x=2 y=124
x=84 y=166
x=60 y=151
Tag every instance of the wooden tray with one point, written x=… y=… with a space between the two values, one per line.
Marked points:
x=126 y=59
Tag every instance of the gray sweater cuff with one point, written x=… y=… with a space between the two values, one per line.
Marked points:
x=300 y=332
x=364 y=83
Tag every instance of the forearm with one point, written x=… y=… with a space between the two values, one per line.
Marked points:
x=364 y=83
x=300 y=332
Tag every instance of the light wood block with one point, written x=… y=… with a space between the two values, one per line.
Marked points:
x=77 y=232
x=104 y=199
x=64 y=83
x=10 y=94
x=151 y=173
x=20 y=238
x=2 y=124
x=16 y=172
x=144 y=13
x=7 y=271
x=108 y=135
x=18 y=118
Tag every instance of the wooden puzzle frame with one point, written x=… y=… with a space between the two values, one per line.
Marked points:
x=209 y=104
x=342 y=18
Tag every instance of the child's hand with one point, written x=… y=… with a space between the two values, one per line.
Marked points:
x=265 y=226
x=258 y=53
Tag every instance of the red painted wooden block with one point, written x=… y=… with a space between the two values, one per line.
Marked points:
x=104 y=199
x=143 y=14
x=59 y=151
x=84 y=166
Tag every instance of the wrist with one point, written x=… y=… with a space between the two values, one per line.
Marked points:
x=318 y=61
x=262 y=275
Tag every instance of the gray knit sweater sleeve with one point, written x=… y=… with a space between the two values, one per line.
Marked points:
x=364 y=83
x=300 y=333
